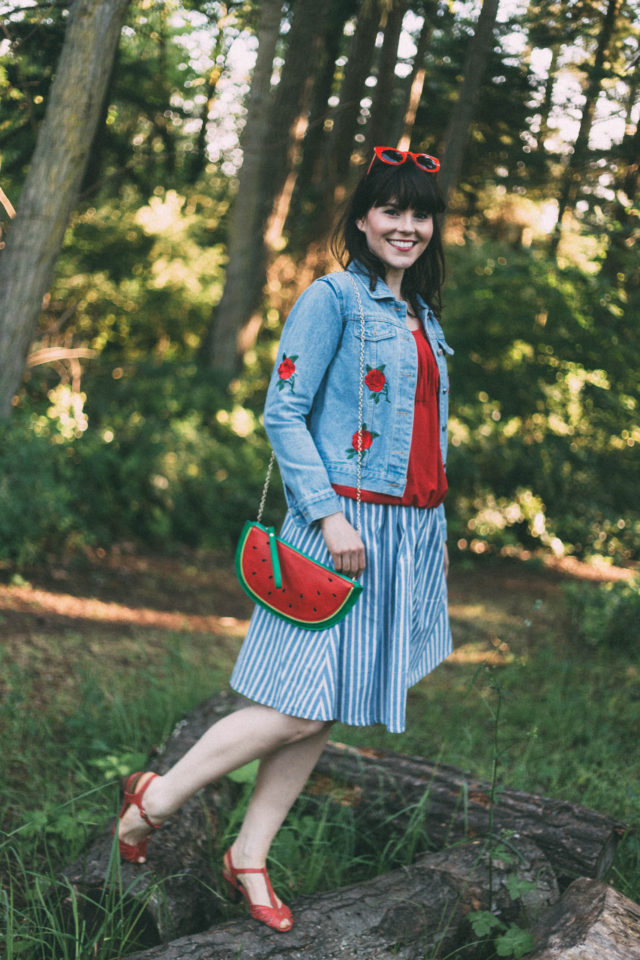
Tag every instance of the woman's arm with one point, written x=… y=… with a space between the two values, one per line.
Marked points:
x=310 y=339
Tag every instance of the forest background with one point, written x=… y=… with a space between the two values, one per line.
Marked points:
x=226 y=136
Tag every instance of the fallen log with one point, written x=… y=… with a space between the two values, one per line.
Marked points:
x=417 y=911
x=177 y=890
x=590 y=922
x=578 y=842
x=451 y=804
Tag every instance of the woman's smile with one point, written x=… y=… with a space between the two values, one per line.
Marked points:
x=403 y=244
x=398 y=237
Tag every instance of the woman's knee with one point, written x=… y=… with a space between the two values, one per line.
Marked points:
x=300 y=728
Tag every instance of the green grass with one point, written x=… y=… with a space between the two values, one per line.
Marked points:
x=81 y=707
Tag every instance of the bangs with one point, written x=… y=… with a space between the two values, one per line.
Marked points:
x=407 y=186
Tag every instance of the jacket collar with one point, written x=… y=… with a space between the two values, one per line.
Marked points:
x=382 y=291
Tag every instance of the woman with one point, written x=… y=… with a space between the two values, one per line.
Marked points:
x=359 y=670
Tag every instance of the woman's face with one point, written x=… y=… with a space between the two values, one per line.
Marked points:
x=397 y=237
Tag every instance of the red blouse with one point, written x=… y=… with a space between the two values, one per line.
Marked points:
x=426 y=479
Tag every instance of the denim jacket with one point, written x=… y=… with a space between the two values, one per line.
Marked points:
x=311 y=411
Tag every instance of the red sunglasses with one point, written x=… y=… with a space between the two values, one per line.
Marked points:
x=395 y=157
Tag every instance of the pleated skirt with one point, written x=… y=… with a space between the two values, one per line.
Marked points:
x=358 y=671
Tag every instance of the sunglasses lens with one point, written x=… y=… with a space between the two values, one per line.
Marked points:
x=426 y=162
x=392 y=156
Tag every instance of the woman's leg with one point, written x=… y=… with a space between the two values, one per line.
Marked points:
x=234 y=740
x=281 y=777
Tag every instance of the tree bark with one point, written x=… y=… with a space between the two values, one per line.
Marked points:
x=309 y=174
x=51 y=187
x=243 y=283
x=380 y=126
x=475 y=64
x=576 y=840
x=621 y=263
x=345 y=119
x=179 y=854
x=416 y=83
x=291 y=108
x=590 y=922
x=547 y=103
x=575 y=165
x=418 y=910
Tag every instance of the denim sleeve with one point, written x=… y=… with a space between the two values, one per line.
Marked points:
x=310 y=339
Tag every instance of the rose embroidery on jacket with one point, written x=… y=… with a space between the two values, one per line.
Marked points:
x=376 y=381
x=287 y=372
x=361 y=441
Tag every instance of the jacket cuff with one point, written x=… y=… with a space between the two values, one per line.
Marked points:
x=320 y=507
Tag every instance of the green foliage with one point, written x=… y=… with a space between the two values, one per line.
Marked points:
x=607 y=615
x=36 y=496
x=158 y=455
x=545 y=428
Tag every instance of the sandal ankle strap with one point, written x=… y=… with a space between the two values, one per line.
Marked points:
x=135 y=796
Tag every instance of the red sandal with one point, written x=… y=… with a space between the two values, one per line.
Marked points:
x=274 y=915
x=135 y=852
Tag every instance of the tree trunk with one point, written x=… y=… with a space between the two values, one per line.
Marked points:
x=590 y=922
x=478 y=53
x=547 y=103
x=416 y=911
x=243 y=282
x=575 y=166
x=291 y=110
x=51 y=187
x=309 y=173
x=345 y=120
x=621 y=262
x=382 y=116
x=416 y=83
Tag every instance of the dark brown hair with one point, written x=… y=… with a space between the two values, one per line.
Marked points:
x=408 y=187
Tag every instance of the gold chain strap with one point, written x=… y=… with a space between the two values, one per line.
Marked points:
x=360 y=449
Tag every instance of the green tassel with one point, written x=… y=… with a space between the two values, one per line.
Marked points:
x=275 y=563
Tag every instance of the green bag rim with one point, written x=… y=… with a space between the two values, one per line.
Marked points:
x=336 y=617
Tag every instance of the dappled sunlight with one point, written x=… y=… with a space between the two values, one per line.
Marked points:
x=27 y=600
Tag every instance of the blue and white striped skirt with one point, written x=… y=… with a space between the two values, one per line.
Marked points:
x=358 y=671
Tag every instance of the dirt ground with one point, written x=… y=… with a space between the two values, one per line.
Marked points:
x=198 y=592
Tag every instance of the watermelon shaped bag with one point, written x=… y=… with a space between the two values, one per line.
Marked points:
x=283 y=579
x=291 y=584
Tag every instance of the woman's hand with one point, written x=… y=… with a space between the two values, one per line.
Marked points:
x=344 y=544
